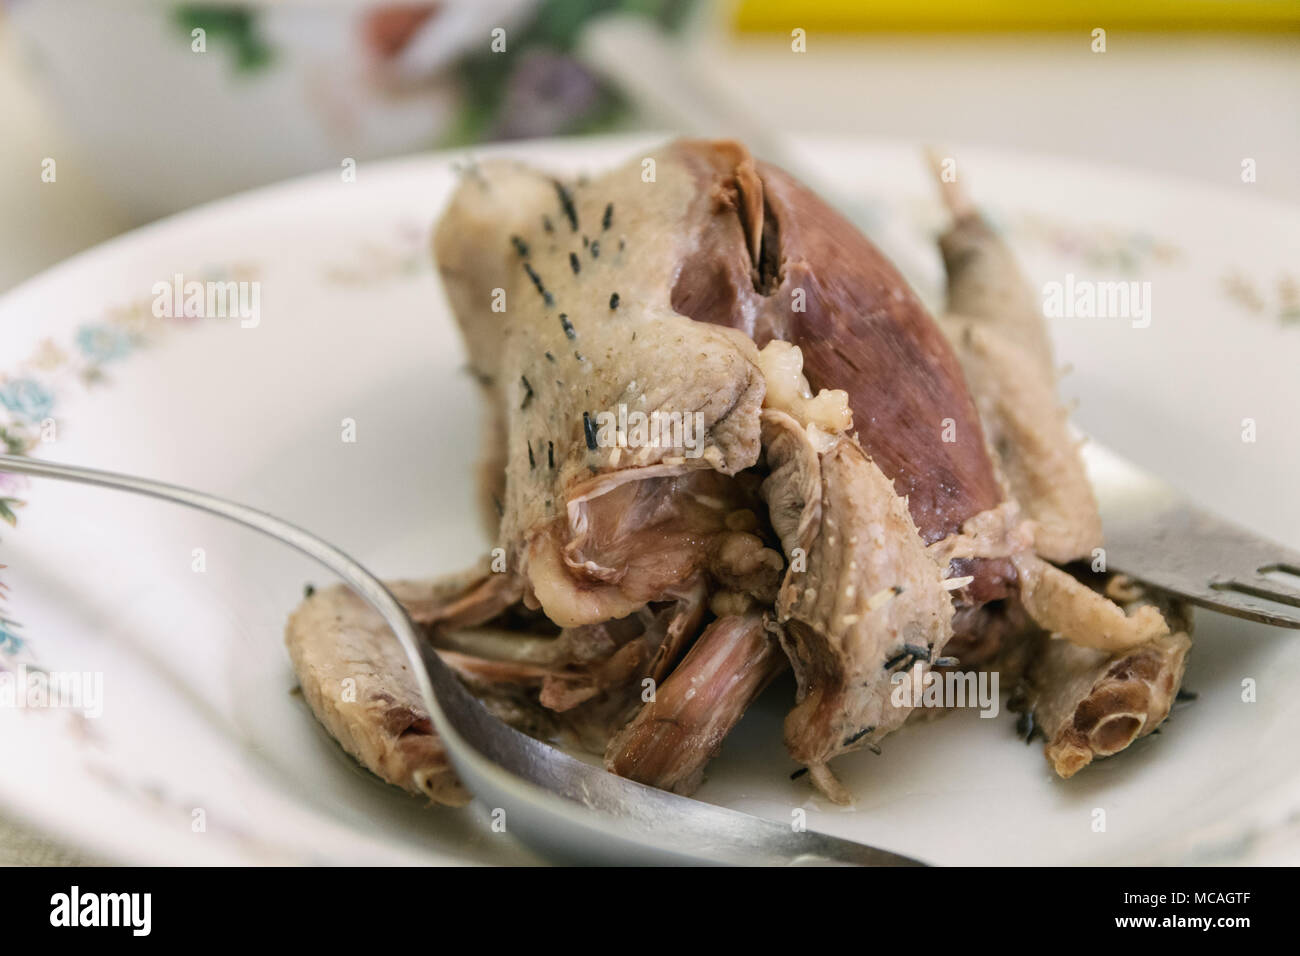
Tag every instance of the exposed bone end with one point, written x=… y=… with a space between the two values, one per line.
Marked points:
x=1111 y=735
x=1116 y=732
x=1092 y=705
x=1067 y=759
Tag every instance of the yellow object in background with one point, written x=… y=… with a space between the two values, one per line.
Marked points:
x=857 y=16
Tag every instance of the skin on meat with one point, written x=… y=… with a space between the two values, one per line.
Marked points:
x=335 y=636
x=1001 y=339
x=562 y=294
x=866 y=602
x=756 y=259
x=581 y=276
x=996 y=327
x=1105 y=665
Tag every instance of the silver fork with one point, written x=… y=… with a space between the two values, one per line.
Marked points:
x=1156 y=536
x=567 y=810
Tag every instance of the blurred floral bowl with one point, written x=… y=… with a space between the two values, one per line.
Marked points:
x=260 y=91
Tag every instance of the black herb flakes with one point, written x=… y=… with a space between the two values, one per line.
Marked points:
x=608 y=219
x=613 y=301
x=569 y=330
x=854 y=738
x=550 y=455
x=589 y=429
x=574 y=264
x=528 y=392
x=1025 y=726
x=521 y=247
x=896 y=659
x=566 y=205
x=537 y=283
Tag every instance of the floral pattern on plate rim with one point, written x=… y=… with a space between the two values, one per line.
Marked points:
x=29 y=398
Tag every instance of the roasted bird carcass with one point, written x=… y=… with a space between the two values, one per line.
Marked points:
x=725 y=435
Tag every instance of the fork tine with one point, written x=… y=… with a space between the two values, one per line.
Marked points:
x=1154 y=535
x=1273 y=592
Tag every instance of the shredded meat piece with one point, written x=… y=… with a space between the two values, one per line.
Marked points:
x=357 y=682
x=594 y=658
x=673 y=736
x=865 y=602
x=1061 y=604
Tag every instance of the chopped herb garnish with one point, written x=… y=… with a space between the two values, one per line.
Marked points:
x=574 y=264
x=528 y=392
x=589 y=429
x=607 y=220
x=613 y=301
x=521 y=247
x=567 y=326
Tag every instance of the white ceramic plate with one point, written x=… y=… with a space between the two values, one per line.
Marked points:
x=199 y=724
